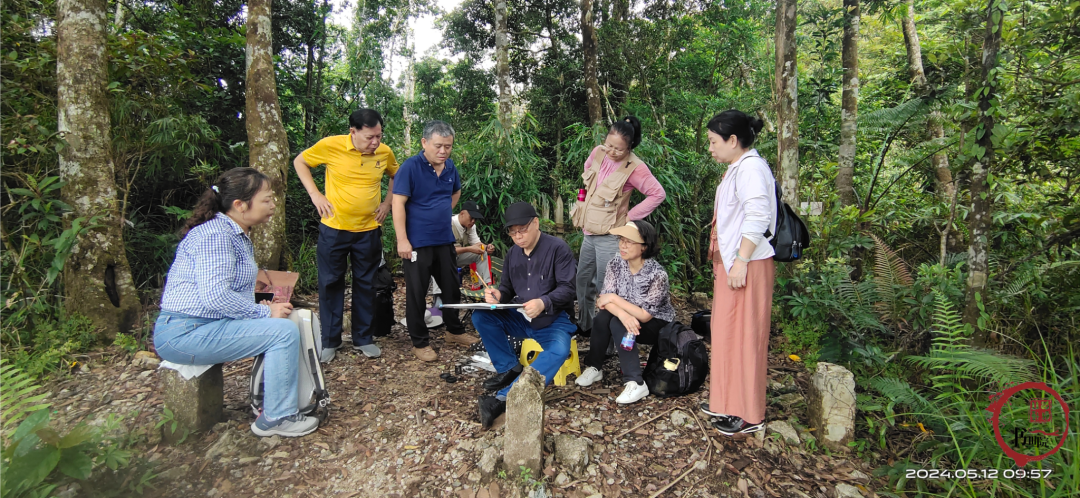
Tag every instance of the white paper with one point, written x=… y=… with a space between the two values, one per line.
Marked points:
x=186 y=371
x=482 y=306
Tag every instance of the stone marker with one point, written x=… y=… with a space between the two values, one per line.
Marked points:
x=524 y=435
x=196 y=403
x=573 y=452
x=832 y=406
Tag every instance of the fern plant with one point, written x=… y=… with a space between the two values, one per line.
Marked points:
x=17 y=396
x=891 y=279
x=952 y=406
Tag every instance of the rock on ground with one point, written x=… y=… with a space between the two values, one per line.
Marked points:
x=572 y=451
x=145 y=360
x=847 y=491
x=786 y=430
x=680 y=419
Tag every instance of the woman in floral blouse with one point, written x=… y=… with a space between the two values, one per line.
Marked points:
x=635 y=300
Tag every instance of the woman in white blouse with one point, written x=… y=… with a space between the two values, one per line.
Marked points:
x=744 y=219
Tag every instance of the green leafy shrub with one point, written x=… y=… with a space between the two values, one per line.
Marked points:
x=952 y=409
x=50 y=345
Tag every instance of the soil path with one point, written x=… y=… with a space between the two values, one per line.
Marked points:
x=397 y=429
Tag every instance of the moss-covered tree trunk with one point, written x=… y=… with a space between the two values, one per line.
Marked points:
x=269 y=146
x=849 y=104
x=502 y=60
x=982 y=154
x=97 y=279
x=588 y=49
x=787 y=101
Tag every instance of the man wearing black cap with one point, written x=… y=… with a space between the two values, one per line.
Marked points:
x=539 y=272
x=467 y=243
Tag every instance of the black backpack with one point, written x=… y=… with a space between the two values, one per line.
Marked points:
x=383 y=318
x=678 y=364
x=792 y=237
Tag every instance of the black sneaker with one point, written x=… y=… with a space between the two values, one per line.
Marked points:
x=501 y=380
x=729 y=426
x=490 y=409
x=704 y=405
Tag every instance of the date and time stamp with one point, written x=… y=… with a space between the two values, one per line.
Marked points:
x=1035 y=474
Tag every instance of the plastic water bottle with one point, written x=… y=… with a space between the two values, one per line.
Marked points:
x=628 y=342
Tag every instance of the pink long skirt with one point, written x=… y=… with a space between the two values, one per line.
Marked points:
x=740 y=341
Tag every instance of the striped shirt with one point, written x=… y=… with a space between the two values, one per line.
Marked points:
x=213 y=275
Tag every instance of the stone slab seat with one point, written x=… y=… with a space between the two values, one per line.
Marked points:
x=196 y=403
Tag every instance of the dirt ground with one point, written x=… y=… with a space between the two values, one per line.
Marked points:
x=396 y=429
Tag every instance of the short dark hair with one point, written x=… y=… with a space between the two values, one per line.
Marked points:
x=630 y=129
x=734 y=122
x=365 y=117
x=652 y=240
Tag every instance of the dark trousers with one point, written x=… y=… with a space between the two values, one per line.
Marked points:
x=606 y=327
x=335 y=250
x=440 y=263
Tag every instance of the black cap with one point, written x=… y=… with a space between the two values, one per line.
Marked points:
x=519 y=213
x=473 y=209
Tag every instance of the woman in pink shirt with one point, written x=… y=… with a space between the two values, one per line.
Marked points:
x=744 y=216
x=612 y=173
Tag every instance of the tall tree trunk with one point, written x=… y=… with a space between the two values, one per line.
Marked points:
x=849 y=104
x=502 y=60
x=97 y=278
x=589 y=48
x=309 y=75
x=787 y=95
x=979 y=221
x=410 y=94
x=934 y=127
x=269 y=145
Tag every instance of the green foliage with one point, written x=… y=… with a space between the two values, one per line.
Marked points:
x=17 y=396
x=50 y=345
x=168 y=422
x=952 y=408
x=37 y=456
x=128 y=343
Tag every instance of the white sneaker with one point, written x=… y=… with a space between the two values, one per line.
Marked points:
x=589 y=376
x=632 y=393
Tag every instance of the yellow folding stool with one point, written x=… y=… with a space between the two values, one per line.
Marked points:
x=570 y=366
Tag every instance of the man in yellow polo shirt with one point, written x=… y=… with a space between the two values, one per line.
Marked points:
x=352 y=211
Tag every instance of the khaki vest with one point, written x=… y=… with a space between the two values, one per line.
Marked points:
x=605 y=205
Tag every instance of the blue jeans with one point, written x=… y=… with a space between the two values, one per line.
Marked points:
x=495 y=326
x=333 y=252
x=190 y=340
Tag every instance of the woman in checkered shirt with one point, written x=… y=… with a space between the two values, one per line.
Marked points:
x=208 y=311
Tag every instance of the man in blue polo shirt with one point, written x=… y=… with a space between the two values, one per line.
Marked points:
x=426 y=189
